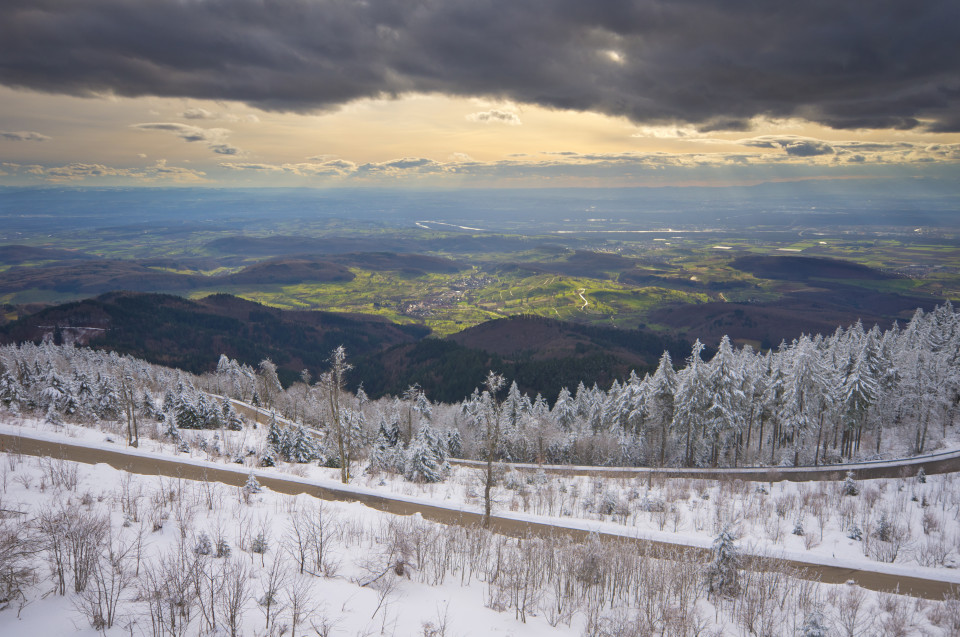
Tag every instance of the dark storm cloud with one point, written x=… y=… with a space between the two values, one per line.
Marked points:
x=713 y=63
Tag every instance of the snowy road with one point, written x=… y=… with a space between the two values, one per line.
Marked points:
x=944 y=462
x=920 y=582
x=941 y=462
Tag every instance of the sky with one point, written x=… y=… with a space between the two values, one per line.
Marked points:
x=476 y=93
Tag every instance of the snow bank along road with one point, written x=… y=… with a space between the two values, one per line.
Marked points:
x=943 y=462
x=879 y=577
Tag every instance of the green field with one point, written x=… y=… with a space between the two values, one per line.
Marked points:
x=446 y=304
x=617 y=280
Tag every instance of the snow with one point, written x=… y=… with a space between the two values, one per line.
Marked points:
x=338 y=598
x=363 y=535
x=825 y=553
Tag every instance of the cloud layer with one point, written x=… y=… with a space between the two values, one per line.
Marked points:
x=767 y=156
x=85 y=171
x=23 y=136
x=212 y=137
x=785 y=152
x=712 y=63
x=495 y=116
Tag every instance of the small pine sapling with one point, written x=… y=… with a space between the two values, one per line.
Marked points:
x=850 y=486
x=814 y=625
x=723 y=573
x=251 y=487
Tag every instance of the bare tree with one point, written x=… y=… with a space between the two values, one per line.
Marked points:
x=333 y=383
x=235 y=594
x=852 y=613
x=300 y=602
x=296 y=540
x=323 y=529
x=207 y=583
x=385 y=587
x=491 y=415
x=128 y=394
x=275 y=579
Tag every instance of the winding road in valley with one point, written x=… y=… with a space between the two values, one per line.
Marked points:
x=580 y=293
x=506 y=523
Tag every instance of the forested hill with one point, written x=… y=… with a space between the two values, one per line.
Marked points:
x=191 y=335
x=541 y=354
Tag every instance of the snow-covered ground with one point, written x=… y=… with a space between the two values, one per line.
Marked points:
x=161 y=517
x=902 y=521
x=366 y=572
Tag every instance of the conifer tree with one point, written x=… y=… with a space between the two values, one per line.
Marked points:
x=815 y=625
x=425 y=457
x=723 y=575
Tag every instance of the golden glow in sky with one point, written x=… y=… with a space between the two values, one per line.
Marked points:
x=457 y=141
x=451 y=93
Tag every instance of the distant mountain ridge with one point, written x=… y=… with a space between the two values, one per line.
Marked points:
x=178 y=332
x=541 y=354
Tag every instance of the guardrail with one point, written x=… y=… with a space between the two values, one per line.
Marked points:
x=941 y=462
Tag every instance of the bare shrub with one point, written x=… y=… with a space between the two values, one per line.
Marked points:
x=439 y=626
x=946 y=614
x=60 y=474
x=773 y=528
x=930 y=522
x=933 y=551
x=891 y=537
x=870 y=496
x=18 y=544
x=71 y=538
x=24 y=479
x=784 y=504
x=167 y=589
x=899 y=619
x=852 y=614
x=848 y=513
x=112 y=574
x=309 y=538
x=322 y=624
